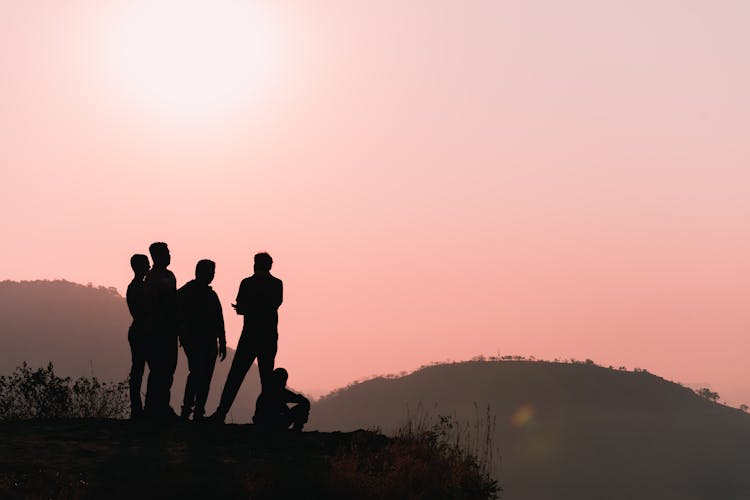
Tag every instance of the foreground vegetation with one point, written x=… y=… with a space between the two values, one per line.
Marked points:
x=38 y=393
x=417 y=462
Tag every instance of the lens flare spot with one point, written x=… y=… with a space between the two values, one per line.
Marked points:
x=523 y=416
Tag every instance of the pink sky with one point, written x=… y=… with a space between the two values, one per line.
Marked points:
x=435 y=180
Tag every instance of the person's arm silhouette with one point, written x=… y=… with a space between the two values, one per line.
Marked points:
x=220 y=333
x=294 y=398
x=240 y=305
x=279 y=296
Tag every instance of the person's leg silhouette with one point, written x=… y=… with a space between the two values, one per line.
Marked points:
x=243 y=359
x=266 y=361
x=188 y=399
x=207 y=362
x=135 y=381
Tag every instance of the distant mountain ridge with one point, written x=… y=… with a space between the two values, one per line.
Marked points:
x=569 y=430
x=83 y=330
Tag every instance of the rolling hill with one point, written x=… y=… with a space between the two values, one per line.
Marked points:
x=567 y=430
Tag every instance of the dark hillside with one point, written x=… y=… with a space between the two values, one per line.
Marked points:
x=82 y=330
x=570 y=430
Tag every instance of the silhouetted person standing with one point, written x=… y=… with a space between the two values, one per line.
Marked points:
x=258 y=300
x=138 y=333
x=271 y=410
x=161 y=287
x=201 y=327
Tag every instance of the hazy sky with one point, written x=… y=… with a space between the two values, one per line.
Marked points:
x=435 y=180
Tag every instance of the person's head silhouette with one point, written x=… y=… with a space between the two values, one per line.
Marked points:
x=263 y=263
x=204 y=271
x=160 y=254
x=140 y=265
x=279 y=378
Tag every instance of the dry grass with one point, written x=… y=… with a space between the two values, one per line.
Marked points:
x=425 y=459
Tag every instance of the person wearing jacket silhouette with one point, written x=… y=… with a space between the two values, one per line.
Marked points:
x=201 y=329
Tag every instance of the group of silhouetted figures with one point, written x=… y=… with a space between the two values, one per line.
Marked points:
x=165 y=318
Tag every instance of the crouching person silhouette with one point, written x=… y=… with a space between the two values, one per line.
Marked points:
x=271 y=410
x=201 y=327
x=138 y=334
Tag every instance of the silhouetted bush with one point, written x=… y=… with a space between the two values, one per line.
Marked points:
x=417 y=462
x=40 y=394
x=708 y=394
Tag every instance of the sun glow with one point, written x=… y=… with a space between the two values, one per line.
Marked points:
x=190 y=60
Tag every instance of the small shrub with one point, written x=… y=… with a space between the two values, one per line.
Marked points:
x=40 y=394
x=408 y=466
x=428 y=457
x=708 y=394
